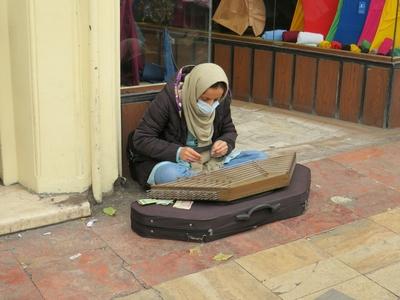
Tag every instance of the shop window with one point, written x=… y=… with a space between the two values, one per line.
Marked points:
x=160 y=36
x=369 y=27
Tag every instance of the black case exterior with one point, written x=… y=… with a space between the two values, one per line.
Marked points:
x=207 y=221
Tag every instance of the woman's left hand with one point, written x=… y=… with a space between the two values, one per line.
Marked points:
x=220 y=148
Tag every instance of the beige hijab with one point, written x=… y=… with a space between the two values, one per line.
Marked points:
x=196 y=83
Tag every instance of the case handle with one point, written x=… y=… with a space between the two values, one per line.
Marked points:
x=246 y=216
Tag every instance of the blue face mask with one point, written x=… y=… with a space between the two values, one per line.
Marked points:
x=205 y=108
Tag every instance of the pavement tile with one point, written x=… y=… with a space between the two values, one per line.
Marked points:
x=7 y=241
x=263 y=237
x=334 y=179
x=389 y=219
x=360 y=155
x=149 y=294
x=197 y=257
x=388 y=278
x=320 y=216
x=368 y=258
x=273 y=262
x=55 y=241
x=310 y=279
x=378 y=163
x=14 y=282
x=170 y=266
x=359 y=288
x=351 y=237
x=148 y=257
x=134 y=248
x=228 y=281
x=95 y=274
x=374 y=202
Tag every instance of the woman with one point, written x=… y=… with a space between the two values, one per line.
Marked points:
x=188 y=128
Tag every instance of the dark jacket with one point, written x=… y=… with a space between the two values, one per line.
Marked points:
x=162 y=131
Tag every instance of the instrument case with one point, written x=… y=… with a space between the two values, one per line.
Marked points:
x=207 y=221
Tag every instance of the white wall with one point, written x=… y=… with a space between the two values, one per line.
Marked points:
x=50 y=54
x=8 y=157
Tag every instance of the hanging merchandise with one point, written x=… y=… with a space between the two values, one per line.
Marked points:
x=237 y=15
x=131 y=57
x=352 y=19
x=298 y=18
x=168 y=56
x=332 y=30
x=387 y=24
x=372 y=21
x=319 y=15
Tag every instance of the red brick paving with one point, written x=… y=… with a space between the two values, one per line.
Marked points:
x=96 y=274
x=116 y=261
x=14 y=281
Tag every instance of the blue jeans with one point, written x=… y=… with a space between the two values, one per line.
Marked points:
x=170 y=171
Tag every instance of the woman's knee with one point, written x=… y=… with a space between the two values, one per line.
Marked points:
x=170 y=172
x=255 y=155
x=258 y=155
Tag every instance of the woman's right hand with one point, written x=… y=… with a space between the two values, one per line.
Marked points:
x=189 y=155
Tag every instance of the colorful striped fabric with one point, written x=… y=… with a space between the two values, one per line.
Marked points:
x=372 y=21
x=319 y=15
x=298 y=18
x=387 y=25
x=352 y=19
x=332 y=30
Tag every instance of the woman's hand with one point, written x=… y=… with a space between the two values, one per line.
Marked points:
x=189 y=155
x=220 y=148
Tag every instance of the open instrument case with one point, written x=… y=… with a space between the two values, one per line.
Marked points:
x=211 y=220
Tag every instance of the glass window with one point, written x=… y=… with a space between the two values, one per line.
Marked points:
x=160 y=36
x=359 y=26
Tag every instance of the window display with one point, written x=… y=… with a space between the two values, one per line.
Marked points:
x=367 y=26
x=160 y=36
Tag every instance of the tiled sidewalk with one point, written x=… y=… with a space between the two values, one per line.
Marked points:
x=360 y=260
x=345 y=246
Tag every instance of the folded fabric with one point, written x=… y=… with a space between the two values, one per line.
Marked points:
x=352 y=19
x=319 y=15
x=332 y=31
x=373 y=51
x=290 y=36
x=336 y=45
x=325 y=44
x=354 y=48
x=363 y=50
x=273 y=35
x=365 y=45
x=309 y=38
x=396 y=52
x=385 y=47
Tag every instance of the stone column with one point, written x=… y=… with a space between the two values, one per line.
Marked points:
x=57 y=75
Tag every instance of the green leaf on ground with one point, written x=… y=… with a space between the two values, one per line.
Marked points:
x=109 y=211
x=222 y=257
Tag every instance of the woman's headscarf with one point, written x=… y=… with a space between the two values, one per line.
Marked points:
x=196 y=83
